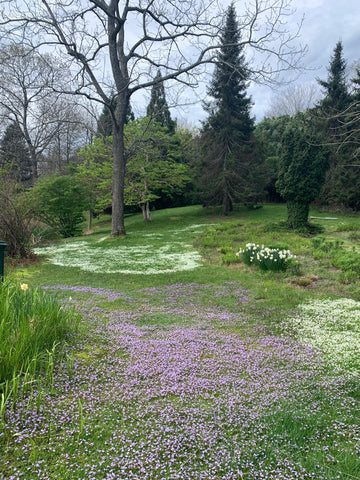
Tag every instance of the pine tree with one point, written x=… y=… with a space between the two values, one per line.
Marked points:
x=336 y=93
x=332 y=113
x=227 y=135
x=15 y=156
x=158 y=108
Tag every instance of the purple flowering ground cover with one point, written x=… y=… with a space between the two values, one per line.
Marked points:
x=183 y=382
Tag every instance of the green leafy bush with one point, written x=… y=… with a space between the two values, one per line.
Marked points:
x=347 y=227
x=323 y=248
x=62 y=201
x=348 y=261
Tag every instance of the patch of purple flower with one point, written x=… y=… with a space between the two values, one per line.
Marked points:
x=189 y=400
x=110 y=294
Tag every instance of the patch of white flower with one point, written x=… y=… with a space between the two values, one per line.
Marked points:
x=142 y=259
x=333 y=326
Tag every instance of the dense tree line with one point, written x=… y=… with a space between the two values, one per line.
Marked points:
x=335 y=118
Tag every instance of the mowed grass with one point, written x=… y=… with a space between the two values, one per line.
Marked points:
x=211 y=370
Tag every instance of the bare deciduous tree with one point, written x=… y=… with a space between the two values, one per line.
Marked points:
x=28 y=99
x=119 y=45
x=294 y=99
x=73 y=130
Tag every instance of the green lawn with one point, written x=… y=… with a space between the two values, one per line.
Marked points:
x=189 y=364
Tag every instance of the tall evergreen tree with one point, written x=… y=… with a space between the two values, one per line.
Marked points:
x=158 y=108
x=227 y=135
x=331 y=114
x=349 y=174
x=15 y=156
x=336 y=93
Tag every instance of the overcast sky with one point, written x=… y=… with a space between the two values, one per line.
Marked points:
x=325 y=23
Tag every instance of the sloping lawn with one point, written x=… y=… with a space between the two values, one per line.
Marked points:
x=208 y=372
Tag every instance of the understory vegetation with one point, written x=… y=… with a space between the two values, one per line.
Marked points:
x=188 y=362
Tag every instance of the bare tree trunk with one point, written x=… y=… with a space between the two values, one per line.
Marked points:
x=148 y=216
x=33 y=156
x=225 y=205
x=90 y=220
x=145 y=208
x=117 y=219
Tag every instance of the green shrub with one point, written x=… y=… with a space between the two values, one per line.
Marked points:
x=210 y=240
x=224 y=249
x=347 y=227
x=354 y=236
x=348 y=277
x=62 y=201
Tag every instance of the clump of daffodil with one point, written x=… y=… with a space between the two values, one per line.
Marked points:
x=265 y=257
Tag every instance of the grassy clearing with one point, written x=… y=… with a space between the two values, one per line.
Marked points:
x=223 y=371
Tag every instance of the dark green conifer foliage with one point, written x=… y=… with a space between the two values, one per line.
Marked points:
x=303 y=165
x=333 y=111
x=227 y=135
x=349 y=173
x=15 y=156
x=158 y=108
x=104 y=125
x=336 y=93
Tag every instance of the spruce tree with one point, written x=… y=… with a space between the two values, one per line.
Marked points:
x=227 y=134
x=332 y=112
x=158 y=108
x=15 y=156
x=349 y=175
x=336 y=93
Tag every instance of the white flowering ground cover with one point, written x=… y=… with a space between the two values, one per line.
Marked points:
x=333 y=326
x=183 y=383
x=157 y=254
